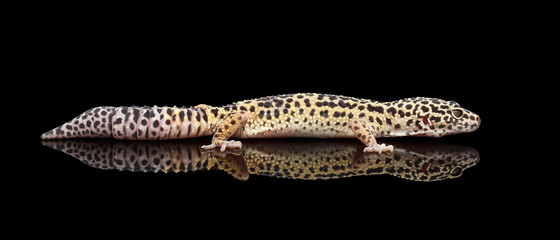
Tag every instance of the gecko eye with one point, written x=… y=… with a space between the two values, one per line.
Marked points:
x=456 y=113
x=456 y=172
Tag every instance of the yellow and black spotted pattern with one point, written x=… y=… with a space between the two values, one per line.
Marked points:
x=307 y=115
x=324 y=115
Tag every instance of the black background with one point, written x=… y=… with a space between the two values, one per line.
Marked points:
x=83 y=60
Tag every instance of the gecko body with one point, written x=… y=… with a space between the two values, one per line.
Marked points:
x=308 y=115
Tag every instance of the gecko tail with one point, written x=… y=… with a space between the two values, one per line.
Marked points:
x=135 y=123
x=94 y=123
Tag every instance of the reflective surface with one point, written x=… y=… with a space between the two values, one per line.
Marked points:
x=283 y=158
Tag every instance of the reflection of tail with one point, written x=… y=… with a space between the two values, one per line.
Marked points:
x=134 y=123
x=136 y=156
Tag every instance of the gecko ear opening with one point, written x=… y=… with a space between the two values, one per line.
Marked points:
x=425 y=120
x=456 y=113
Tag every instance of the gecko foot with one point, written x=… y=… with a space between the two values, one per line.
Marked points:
x=378 y=148
x=223 y=145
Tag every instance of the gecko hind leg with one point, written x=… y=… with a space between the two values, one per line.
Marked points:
x=366 y=136
x=233 y=123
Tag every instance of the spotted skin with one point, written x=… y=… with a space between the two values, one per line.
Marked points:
x=136 y=123
x=307 y=115
x=364 y=134
x=304 y=160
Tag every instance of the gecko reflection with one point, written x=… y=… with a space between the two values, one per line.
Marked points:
x=294 y=159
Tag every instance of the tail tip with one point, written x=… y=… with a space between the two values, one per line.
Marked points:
x=48 y=135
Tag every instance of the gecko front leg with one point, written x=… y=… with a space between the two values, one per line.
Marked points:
x=233 y=123
x=366 y=136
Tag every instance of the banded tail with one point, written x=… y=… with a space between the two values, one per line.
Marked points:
x=135 y=123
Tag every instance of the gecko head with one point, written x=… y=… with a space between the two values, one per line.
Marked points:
x=436 y=117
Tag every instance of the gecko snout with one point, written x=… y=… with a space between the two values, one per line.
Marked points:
x=477 y=121
x=473 y=123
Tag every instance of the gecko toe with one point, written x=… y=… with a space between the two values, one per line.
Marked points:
x=209 y=147
x=223 y=145
x=379 y=148
x=231 y=144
